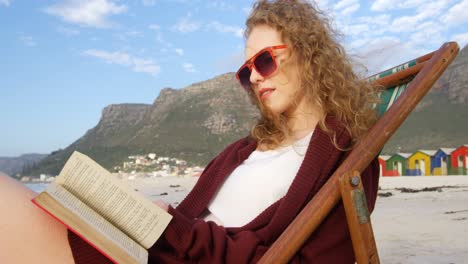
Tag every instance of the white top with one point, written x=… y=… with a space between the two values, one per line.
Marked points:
x=262 y=179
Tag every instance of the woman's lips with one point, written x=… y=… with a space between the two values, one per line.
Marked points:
x=265 y=92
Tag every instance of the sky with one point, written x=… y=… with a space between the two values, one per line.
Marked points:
x=63 y=61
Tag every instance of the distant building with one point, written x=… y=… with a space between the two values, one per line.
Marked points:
x=25 y=179
x=397 y=165
x=383 y=165
x=43 y=177
x=460 y=160
x=441 y=162
x=419 y=163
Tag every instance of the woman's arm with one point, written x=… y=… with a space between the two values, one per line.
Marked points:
x=204 y=242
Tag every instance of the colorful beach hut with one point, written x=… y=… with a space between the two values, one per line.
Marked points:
x=441 y=163
x=398 y=164
x=383 y=166
x=460 y=161
x=419 y=163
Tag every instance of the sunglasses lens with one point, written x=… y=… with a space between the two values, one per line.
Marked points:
x=244 y=77
x=265 y=64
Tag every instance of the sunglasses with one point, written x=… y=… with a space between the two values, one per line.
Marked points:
x=264 y=63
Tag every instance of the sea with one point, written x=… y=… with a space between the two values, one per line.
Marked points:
x=37 y=187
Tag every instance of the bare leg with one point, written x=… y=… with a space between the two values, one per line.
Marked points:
x=27 y=234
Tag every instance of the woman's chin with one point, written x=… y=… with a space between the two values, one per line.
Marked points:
x=273 y=110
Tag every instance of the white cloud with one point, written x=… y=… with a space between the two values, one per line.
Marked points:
x=129 y=34
x=160 y=39
x=462 y=39
x=27 y=40
x=186 y=25
x=323 y=5
x=68 y=31
x=457 y=14
x=378 y=24
x=356 y=30
x=91 y=13
x=383 y=5
x=215 y=25
x=155 y=26
x=247 y=10
x=424 y=12
x=380 y=20
x=320 y=2
x=350 y=9
x=188 y=67
x=159 y=35
x=179 y=51
x=343 y=3
x=5 y=2
x=127 y=60
x=406 y=23
x=133 y=33
x=434 y=9
x=347 y=7
x=220 y=5
x=382 y=53
x=149 y=2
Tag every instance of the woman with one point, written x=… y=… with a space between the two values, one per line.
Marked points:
x=313 y=109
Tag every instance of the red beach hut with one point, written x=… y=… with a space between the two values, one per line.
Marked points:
x=383 y=166
x=460 y=161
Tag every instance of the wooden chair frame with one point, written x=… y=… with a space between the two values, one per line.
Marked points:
x=345 y=182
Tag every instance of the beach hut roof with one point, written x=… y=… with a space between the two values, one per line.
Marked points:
x=404 y=155
x=428 y=152
x=385 y=157
x=447 y=150
x=462 y=146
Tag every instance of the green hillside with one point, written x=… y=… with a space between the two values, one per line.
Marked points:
x=435 y=123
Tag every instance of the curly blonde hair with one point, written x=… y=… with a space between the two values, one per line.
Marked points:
x=327 y=75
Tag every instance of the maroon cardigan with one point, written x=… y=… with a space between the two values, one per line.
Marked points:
x=188 y=239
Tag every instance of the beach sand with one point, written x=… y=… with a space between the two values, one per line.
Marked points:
x=428 y=226
x=172 y=190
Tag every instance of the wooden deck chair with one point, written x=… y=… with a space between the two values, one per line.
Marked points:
x=408 y=82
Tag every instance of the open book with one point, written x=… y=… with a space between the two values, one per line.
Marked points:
x=119 y=222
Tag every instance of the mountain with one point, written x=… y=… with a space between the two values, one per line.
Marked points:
x=14 y=165
x=197 y=122
x=436 y=122
x=453 y=83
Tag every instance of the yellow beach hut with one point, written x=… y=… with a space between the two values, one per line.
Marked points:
x=419 y=163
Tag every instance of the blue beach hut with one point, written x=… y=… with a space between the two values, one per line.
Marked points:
x=441 y=162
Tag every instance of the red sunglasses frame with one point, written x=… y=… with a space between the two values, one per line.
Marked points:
x=250 y=63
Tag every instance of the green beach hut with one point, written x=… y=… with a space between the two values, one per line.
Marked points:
x=398 y=163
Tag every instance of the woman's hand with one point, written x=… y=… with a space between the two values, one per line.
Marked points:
x=162 y=204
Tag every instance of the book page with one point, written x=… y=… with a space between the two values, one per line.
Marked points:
x=97 y=222
x=128 y=210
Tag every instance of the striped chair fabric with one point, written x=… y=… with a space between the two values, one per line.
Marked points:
x=390 y=94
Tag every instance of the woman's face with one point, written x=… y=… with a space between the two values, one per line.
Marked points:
x=279 y=91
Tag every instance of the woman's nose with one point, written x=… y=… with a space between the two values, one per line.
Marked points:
x=255 y=77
